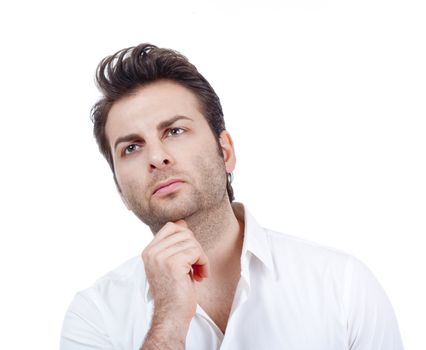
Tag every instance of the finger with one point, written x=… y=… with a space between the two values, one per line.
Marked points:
x=166 y=249
x=202 y=266
x=175 y=239
x=199 y=272
x=166 y=231
x=178 y=251
x=169 y=229
x=176 y=265
x=195 y=259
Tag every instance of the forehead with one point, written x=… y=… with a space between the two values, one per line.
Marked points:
x=144 y=109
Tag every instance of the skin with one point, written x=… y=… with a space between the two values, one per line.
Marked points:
x=159 y=136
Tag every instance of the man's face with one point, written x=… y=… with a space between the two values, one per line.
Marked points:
x=166 y=159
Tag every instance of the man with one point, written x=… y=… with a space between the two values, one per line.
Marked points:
x=211 y=277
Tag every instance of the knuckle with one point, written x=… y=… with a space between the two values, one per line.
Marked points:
x=157 y=259
x=191 y=251
x=145 y=255
x=149 y=257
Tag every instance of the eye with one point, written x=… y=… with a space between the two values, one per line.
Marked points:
x=175 y=131
x=130 y=149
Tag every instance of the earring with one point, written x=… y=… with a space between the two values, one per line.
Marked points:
x=230 y=178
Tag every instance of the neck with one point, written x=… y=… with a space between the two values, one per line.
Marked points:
x=218 y=231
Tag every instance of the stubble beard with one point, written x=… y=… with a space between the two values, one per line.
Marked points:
x=201 y=199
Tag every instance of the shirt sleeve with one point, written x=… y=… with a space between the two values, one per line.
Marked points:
x=371 y=321
x=83 y=327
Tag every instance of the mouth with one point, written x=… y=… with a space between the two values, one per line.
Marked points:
x=167 y=187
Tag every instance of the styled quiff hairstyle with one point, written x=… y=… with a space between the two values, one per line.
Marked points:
x=121 y=74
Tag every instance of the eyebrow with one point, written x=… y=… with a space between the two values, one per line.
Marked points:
x=163 y=125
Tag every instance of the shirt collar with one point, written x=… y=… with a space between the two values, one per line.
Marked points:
x=255 y=244
x=255 y=240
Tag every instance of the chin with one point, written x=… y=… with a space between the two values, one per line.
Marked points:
x=177 y=211
x=162 y=212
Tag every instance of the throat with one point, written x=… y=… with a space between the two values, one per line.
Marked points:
x=211 y=227
x=220 y=234
x=216 y=297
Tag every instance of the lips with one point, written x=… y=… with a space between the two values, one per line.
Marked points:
x=166 y=185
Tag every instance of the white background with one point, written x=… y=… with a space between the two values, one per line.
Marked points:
x=325 y=101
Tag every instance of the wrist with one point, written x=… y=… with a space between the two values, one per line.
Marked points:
x=171 y=327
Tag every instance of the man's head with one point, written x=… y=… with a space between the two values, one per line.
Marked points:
x=134 y=78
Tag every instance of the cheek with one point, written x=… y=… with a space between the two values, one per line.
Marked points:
x=209 y=167
x=127 y=178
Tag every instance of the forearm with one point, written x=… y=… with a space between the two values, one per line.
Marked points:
x=170 y=261
x=165 y=336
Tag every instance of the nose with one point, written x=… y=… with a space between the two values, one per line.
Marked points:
x=159 y=157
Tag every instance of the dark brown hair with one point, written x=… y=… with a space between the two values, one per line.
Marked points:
x=127 y=70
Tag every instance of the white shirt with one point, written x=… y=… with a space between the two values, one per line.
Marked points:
x=292 y=295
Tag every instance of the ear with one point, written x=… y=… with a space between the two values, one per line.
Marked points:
x=126 y=203
x=227 y=147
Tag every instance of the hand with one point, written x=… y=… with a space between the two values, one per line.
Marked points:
x=174 y=261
